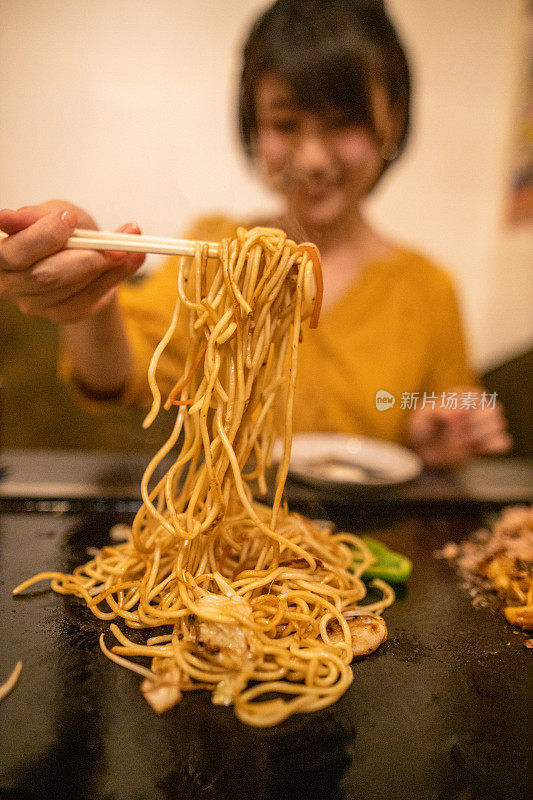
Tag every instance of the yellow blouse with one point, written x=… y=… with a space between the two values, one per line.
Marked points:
x=397 y=329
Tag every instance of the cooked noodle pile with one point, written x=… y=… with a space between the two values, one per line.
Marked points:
x=262 y=607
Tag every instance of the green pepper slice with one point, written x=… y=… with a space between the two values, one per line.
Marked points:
x=389 y=565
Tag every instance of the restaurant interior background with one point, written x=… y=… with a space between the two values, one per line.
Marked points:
x=127 y=108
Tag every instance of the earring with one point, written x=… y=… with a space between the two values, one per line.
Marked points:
x=389 y=151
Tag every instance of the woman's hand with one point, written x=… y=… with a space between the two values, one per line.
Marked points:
x=448 y=436
x=45 y=280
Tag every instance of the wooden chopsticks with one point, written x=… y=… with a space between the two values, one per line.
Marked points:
x=133 y=243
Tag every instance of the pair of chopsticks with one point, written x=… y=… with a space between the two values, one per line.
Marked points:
x=136 y=243
x=133 y=243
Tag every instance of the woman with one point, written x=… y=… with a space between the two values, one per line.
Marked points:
x=324 y=111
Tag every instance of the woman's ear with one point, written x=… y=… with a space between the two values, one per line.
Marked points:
x=387 y=123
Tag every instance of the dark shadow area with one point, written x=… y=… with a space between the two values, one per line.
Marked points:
x=513 y=382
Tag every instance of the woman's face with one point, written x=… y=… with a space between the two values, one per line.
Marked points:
x=322 y=164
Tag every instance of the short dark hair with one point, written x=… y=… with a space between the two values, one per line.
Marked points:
x=331 y=53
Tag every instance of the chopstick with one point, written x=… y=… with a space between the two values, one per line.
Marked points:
x=132 y=243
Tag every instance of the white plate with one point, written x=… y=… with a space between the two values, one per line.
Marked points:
x=334 y=460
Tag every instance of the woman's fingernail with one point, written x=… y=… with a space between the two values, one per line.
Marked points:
x=69 y=218
x=130 y=227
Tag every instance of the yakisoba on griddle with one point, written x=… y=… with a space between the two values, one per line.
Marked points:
x=263 y=608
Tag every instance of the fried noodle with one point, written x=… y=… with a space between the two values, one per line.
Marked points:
x=260 y=599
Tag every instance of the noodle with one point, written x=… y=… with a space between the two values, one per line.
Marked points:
x=6 y=687
x=264 y=610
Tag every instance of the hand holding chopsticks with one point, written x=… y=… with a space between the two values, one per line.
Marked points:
x=45 y=277
x=42 y=273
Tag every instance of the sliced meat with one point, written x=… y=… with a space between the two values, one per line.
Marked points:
x=163 y=691
x=368 y=632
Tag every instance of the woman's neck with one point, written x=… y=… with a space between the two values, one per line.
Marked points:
x=348 y=231
x=346 y=248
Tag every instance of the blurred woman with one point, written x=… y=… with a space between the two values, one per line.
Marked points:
x=323 y=113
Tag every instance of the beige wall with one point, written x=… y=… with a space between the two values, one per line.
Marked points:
x=126 y=107
x=449 y=193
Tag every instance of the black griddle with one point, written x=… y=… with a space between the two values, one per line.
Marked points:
x=441 y=711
